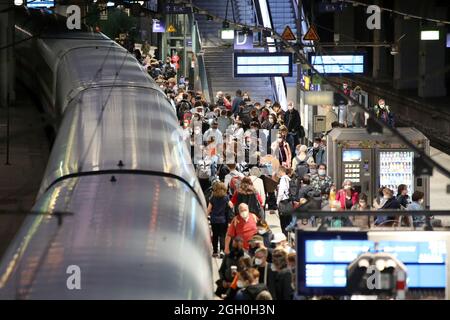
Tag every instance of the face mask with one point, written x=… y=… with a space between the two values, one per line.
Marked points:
x=273 y=268
x=315 y=145
x=321 y=172
x=386 y=197
x=240 y=284
x=258 y=261
x=279 y=140
x=244 y=214
x=214 y=129
x=271 y=120
x=313 y=171
x=262 y=231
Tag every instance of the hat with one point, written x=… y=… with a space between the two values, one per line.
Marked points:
x=278 y=237
x=256 y=238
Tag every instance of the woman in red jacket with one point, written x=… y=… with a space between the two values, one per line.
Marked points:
x=347 y=196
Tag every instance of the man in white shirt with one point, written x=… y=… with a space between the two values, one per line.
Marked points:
x=283 y=185
x=214 y=132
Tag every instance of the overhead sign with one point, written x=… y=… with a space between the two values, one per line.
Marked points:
x=338 y=63
x=158 y=26
x=243 y=41
x=317 y=98
x=40 y=3
x=288 y=35
x=171 y=28
x=311 y=35
x=262 y=64
x=173 y=8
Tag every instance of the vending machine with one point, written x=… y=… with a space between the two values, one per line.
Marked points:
x=372 y=161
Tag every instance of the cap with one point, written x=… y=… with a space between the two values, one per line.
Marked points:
x=256 y=238
x=278 y=237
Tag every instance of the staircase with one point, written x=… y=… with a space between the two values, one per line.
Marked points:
x=283 y=14
x=218 y=54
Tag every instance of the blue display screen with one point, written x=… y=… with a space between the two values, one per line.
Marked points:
x=338 y=63
x=40 y=3
x=326 y=261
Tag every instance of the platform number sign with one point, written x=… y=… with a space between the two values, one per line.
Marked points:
x=103 y=11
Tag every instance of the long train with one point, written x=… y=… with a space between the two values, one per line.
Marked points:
x=120 y=213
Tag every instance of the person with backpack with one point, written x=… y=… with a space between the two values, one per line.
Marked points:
x=247 y=194
x=219 y=213
x=232 y=187
x=301 y=161
x=243 y=225
x=183 y=107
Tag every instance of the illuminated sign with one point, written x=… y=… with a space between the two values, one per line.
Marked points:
x=227 y=34
x=40 y=3
x=429 y=35
x=264 y=64
x=158 y=26
x=338 y=63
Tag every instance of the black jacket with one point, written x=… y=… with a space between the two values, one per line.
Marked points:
x=283 y=285
x=271 y=275
x=228 y=261
x=292 y=120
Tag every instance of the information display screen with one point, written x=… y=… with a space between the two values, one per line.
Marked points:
x=264 y=64
x=338 y=63
x=323 y=262
x=40 y=3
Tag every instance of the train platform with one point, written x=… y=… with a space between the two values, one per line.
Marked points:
x=28 y=155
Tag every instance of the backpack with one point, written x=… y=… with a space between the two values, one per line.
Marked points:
x=170 y=72
x=235 y=182
x=203 y=170
x=302 y=168
x=253 y=204
x=293 y=189
x=244 y=115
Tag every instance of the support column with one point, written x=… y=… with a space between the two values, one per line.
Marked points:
x=379 y=53
x=406 y=67
x=7 y=62
x=432 y=59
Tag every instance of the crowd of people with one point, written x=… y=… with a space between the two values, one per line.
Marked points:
x=251 y=157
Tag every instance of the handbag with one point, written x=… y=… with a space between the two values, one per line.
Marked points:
x=285 y=207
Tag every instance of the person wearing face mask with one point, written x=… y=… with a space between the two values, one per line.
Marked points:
x=243 y=225
x=317 y=151
x=293 y=123
x=347 y=196
x=256 y=242
x=266 y=274
x=383 y=112
x=249 y=285
x=265 y=232
x=281 y=150
x=362 y=205
x=321 y=179
x=416 y=205
x=391 y=203
x=229 y=265
x=214 y=132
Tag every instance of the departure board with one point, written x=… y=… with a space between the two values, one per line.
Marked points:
x=264 y=64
